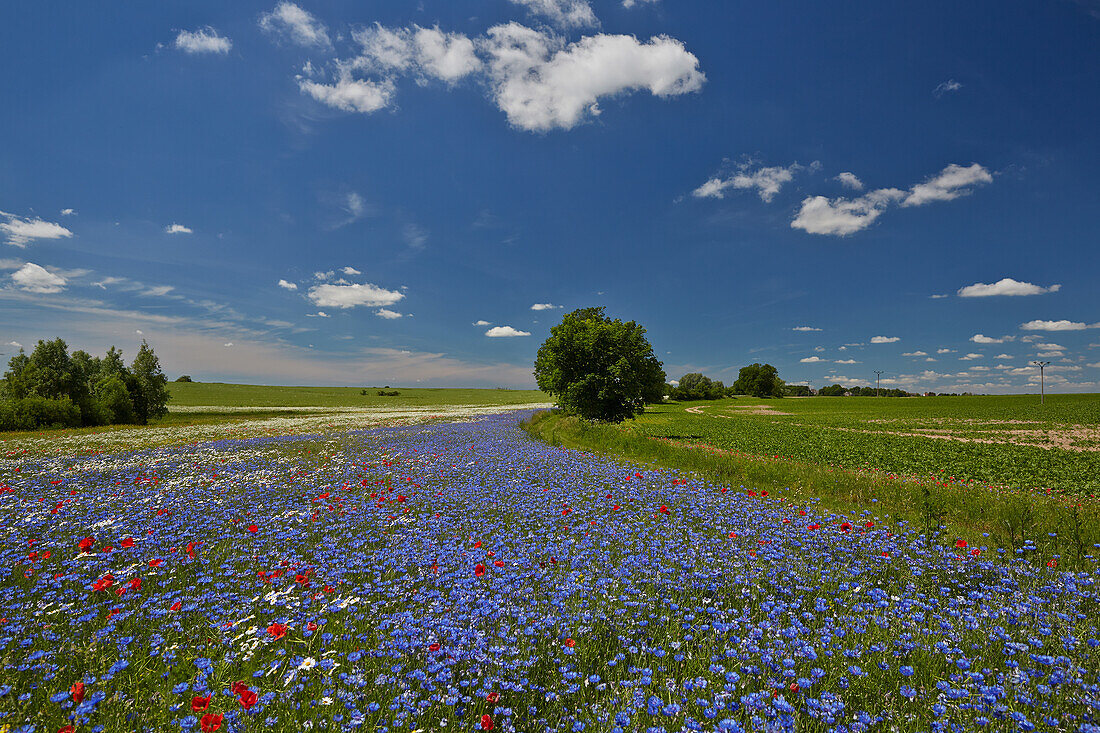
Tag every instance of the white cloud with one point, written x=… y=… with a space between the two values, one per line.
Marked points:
x=288 y=285
x=805 y=328
x=350 y=95
x=915 y=353
x=427 y=52
x=18 y=345
x=820 y=215
x=544 y=306
x=505 y=332
x=177 y=229
x=766 y=180
x=1005 y=286
x=811 y=360
x=1004 y=356
x=1062 y=325
x=847 y=361
x=37 y=279
x=324 y=275
x=970 y=357
x=850 y=180
x=542 y=84
x=944 y=87
x=482 y=323
x=158 y=291
x=298 y=26
x=980 y=339
x=349 y=270
x=1093 y=365
x=229 y=344
x=950 y=183
x=885 y=339
x=635 y=3
x=945 y=351
x=20 y=232
x=937 y=296
x=1050 y=354
x=387 y=314
x=204 y=40
x=68 y=212
x=1050 y=347
x=841 y=216
x=330 y=295
x=564 y=13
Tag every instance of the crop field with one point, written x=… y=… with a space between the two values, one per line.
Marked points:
x=459 y=576
x=241 y=396
x=1010 y=441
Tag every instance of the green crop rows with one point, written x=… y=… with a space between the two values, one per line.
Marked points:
x=862 y=433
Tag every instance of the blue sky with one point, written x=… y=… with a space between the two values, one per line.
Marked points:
x=413 y=193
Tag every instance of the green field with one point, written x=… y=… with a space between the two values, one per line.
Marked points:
x=1008 y=441
x=216 y=394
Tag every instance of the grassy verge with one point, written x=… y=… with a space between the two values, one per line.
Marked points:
x=1065 y=530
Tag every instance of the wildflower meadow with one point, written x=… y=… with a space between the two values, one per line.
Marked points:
x=459 y=576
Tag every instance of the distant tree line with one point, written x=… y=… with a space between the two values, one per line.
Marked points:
x=51 y=388
x=755 y=380
x=835 y=390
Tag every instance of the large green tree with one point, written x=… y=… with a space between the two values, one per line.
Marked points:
x=147 y=385
x=599 y=368
x=759 y=380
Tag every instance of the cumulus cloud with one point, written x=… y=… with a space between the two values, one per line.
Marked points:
x=885 y=339
x=850 y=180
x=177 y=229
x=564 y=13
x=1005 y=286
x=944 y=87
x=204 y=40
x=981 y=339
x=290 y=22
x=482 y=323
x=805 y=328
x=68 y=212
x=332 y=295
x=915 y=353
x=842 y=216
x=544 y=306
x=847 y=361
x=1050 y=347
x=349 y=94
x=387 y=314
x=37 y=279
x=505 y=332
x=970 y=357
x=427 y=52
x=349 y=270
x=767 y=181
x=811 y=360
x=1003 y=356
x=945 y=351
x=1062 y=325
x=20 y=232
x=1050 y=354
x=542 y=84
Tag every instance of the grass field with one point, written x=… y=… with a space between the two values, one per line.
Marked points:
x=1003 y=440
x=214 y=394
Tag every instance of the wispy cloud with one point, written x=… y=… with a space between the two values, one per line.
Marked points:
x=885 y=339
x=850 y=180
x=204 y=40
x=544 y=306
x=805 y=328
x=291 y=23
x=766 y=181
x=20 y=232
x=947 y=86
x=177 y=229
x=564 y=13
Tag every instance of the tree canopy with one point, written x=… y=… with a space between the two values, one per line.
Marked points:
x=599 y=368
x=759 y=380
x=695 y=386
x=53 y=388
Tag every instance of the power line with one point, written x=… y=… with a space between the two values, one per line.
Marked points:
x=878 y=379
x=1042 y=381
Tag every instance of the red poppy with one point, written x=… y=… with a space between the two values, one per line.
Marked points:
x=616 y=508
x=433 y=647
x=477 y=544
x=135 y=583
x=763 y=493
x=1052 y=563
x=77 y=691
x=248 y=699
x=176 y=606
x=85 y=543
x=46 y=555
x=211 y=723
x=794 y=687
x=845 y=526
x=663 y=509
x=960 y=544
x=868 y=525
x=200 y=704
x=253 y=528
x=156 y=563
x=479 y=570
x=66 y=729
x=238 y=687
x=311 y=626
x=570 y=643
x=975 y=552
x=486 y=722
x=492 y=697
x=276 y=630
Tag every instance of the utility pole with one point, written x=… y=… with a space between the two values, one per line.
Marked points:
x=878 y=379
x=1042 y=380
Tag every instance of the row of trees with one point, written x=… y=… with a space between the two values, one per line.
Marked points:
x=835 y=390
x=757 y=380
x=51 y=388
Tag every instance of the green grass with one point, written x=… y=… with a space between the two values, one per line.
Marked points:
x=250 y=395
x=965 y=439
x=1066 y=527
